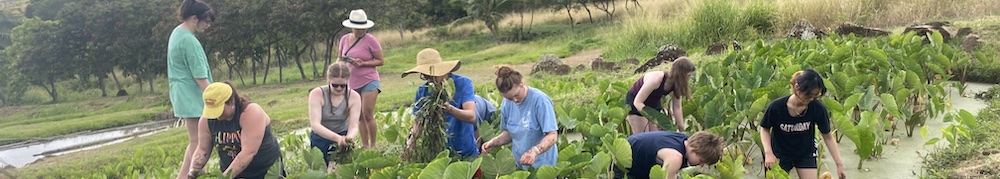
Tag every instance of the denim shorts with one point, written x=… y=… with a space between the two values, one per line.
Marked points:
x=371 y=86
x=323 y=144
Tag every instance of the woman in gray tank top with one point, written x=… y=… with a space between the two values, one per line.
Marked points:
x=333 y=112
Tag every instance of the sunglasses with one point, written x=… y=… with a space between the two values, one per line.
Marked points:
x=338 y=85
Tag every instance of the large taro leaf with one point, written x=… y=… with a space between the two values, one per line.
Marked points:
x=833 y=105
x=852 y=101
x=889 y=104
x=600 y=163
x=866 y=136
x=730 y=168
x=661 y=120
x=502 y=163
x=435 y=169
x=845 y=126
x=311 y=174
x=656 y=171
x=867 y=101
x=758 y=105
x=314 y=158
x=462 y=170
x=621 y=151
x=547 y=172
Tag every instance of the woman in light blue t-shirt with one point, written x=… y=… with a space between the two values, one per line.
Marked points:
x=528 y=121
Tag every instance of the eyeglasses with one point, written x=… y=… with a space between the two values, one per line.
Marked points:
x=338 y=85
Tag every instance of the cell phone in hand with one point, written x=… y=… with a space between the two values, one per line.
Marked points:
x=347 y=59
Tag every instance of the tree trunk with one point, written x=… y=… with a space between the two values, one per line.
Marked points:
x=400 y=29
x=611 y=15
x=281 y=65
x=253 y=71
x=150 y=81
x=138 y=79
x=53 y=92
x=330 y=42
x=298 y=62
x=267 y=66
x=531 y=22
x=100 y=84
x=121 y=89
x=520 y=30
x=240 y=74
x=572 y=25
x=591 y=16
x=312 y=54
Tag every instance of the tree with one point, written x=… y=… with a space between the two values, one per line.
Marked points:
x=36 y=49
x=402 y=15
x=488 y=11
x=608 y=6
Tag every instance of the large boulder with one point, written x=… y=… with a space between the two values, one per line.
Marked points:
x=598 y=63
x=550 y=63
x=667 y=53
x=947 y=31
x=862 y=31
x=803 y=29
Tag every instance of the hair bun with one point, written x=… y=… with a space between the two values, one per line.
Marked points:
x=504 y=71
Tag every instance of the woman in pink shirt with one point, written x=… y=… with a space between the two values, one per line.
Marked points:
x=364 y=54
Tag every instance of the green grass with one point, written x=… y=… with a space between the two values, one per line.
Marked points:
x=940 y=163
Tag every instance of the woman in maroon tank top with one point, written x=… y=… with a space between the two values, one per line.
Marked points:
x=652 y=87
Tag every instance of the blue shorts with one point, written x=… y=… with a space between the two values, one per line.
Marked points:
x=323 y=144
x=371 y=86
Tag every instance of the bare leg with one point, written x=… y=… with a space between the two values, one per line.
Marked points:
x=807 y=173
x=192 y=129
x=637 y=123
x=368 y=118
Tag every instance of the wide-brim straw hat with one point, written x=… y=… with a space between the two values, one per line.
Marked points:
x=429 y=63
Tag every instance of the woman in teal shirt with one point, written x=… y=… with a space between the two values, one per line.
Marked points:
x=187 y=69
x=527 y=120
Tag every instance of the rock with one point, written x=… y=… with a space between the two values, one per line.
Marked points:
x=963 y=32
x=550 y=63
x=122 y=93
x=599 y=64
x=862 y=31
x=971 y=43
x=580 y=67
x=991 y=151
x=923 y=29
x=715 y=48
x=805 y=30
x=632 y=61
x=667 y=53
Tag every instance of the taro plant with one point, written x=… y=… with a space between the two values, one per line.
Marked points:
x=430 y=137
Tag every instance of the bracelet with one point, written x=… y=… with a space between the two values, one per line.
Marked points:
x=537 y=150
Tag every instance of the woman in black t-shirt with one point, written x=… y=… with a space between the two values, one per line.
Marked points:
x=787 y=130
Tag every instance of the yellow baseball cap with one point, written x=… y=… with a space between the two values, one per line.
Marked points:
x=215 y=96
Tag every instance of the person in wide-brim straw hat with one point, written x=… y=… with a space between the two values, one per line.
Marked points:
x=459 y=112
x=429 y=63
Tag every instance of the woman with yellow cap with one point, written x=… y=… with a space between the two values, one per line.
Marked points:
x=241 y=132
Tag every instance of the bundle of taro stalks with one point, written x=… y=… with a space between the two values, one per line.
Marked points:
x=430 y=137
